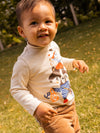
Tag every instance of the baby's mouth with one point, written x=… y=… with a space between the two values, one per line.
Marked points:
x=43 y=35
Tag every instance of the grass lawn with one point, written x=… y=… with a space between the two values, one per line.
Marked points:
x=81 y=42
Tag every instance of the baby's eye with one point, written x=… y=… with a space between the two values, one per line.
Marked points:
x=34 y=23
x=48 y=21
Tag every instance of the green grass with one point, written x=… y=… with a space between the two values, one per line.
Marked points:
x=81 y=42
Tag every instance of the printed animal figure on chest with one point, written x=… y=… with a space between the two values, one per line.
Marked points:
x=58 y=76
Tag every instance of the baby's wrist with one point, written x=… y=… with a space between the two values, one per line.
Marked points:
x=73 y=63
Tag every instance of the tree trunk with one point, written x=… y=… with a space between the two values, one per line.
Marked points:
x=97 y=5
x=1 y=45
x=74 y=15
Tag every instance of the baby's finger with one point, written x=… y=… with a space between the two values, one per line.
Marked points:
x=53 y=111
x=86 y=68
x=76 y=65
x=80 y=67
x=51 y=114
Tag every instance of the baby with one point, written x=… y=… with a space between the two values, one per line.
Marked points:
x=40 y=82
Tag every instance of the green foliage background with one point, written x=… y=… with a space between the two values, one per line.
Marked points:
x=81 y=42
x=85 y=10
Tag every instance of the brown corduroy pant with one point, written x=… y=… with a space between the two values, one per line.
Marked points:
x=66 y=121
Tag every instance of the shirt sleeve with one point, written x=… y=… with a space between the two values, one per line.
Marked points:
x=68 y=63
x=19 y=87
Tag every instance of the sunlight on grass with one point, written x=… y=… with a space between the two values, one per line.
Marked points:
x=81 y=42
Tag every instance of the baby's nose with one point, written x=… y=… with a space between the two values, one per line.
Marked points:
x=42 y=27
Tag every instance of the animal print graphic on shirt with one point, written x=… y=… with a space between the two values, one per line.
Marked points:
x=58 y=76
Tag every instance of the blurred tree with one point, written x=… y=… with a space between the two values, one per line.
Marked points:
x=7 y=15
x=65 y=9
x=8 y=22
x=97 y=4
x=83 y=6
x=1 y=45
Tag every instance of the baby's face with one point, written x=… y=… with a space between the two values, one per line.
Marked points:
x=39 y=25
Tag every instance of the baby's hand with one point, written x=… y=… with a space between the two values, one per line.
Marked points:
x=44 y=112
x=80 y=65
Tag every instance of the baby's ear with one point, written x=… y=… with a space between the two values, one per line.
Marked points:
x=56 y=26
x=21 y=32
